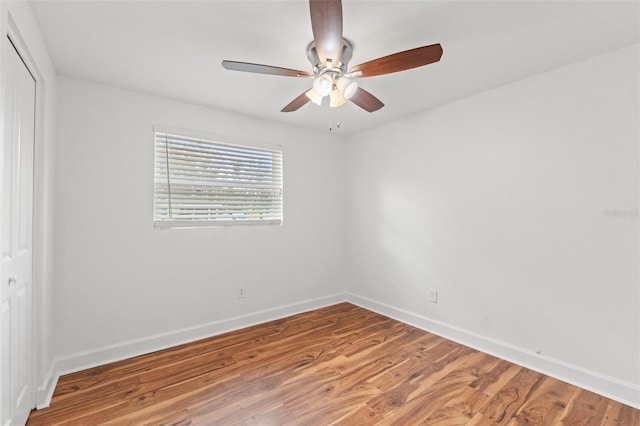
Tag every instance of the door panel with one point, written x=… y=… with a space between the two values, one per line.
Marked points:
x=16 y=240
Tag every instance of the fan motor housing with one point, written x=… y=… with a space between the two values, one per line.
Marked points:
x=340 y=64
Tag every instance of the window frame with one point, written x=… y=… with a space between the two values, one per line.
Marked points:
x=223 y=141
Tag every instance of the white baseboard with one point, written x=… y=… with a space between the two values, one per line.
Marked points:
x=45 y=390
x=106 y=354
x=610 y=387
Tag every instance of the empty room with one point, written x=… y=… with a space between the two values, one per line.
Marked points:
x=319 y=212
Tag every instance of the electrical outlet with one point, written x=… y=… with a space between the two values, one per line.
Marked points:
x=241 y=292
x=433 y=295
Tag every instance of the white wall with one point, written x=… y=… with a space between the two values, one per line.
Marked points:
x=17 y=19
x=503 y=203
x=119 y=280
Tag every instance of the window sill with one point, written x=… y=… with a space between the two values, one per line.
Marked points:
x=183 y=224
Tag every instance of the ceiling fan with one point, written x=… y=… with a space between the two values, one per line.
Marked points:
x=329 y=54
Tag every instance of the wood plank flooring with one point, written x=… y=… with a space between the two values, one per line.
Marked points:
x=340 y=365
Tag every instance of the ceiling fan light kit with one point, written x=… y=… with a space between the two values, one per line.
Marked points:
x=329 y=54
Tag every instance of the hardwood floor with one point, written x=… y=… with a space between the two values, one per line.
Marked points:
x=337 y=365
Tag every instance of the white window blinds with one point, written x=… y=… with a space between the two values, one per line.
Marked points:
x=200 y=182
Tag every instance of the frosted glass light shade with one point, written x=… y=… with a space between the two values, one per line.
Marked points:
x=347 y=87
x=315 y=98
x=323 y=84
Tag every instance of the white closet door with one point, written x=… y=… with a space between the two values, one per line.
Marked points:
x=16 y=217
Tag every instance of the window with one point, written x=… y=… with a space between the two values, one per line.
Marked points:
x=202 y=182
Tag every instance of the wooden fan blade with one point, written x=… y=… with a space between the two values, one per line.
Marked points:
x=366 y=100
x=263 y=69
x=326 y=23
x=400 y=61
x=297 y=103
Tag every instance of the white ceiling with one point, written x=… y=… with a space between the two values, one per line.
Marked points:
x=174 y=49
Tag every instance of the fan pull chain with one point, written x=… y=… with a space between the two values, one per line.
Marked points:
x=337 y=120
